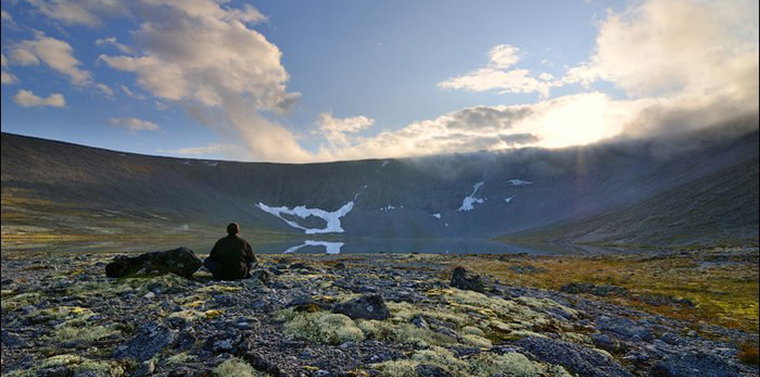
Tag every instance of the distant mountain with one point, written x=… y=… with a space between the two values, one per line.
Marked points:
x=697 y=187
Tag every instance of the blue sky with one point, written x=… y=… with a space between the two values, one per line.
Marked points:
x=315 y=81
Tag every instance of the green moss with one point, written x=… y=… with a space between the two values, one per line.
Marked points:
x=83 y=329
x=180 y=358
x=75 y=363
x=320 y=327
x=472 y=330
x=188 y=315
x=20 y=300
x=235 y=367
x=476 y=341
x=442 y=358
x=510 y=364
x=398 y=368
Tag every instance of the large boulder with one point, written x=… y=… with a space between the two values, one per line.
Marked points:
x=365 y=307
x=181 y=261
x=463 y=279
x=575 y=358
x=692 y=364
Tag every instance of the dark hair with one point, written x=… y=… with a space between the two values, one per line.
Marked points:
x=233 y=228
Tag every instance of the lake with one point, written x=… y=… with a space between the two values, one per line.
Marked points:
x=309 y=246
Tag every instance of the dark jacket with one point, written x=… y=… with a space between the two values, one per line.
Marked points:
x=231 y=257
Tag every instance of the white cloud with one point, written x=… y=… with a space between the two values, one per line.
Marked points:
x=7 y=77
x=112 y=41
x=79 y=12
x=207 y=57
x=56 y=54
x=209 y=150
x=704 y=61
x=133 y=125
x=6 y=17
x=104 y=88
x=28 y=99
x=497 y=76
x=336 y=130
x=125 y=89
x=484 y=79
x=504 y=56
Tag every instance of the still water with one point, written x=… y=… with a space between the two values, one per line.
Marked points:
x=309 y=246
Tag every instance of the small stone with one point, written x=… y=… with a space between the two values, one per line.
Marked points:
x=149 y=295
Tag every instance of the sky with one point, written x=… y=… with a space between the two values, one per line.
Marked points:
x=307 y=81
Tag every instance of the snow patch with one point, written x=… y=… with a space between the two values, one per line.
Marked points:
x=437 y=215
x=331 y=218
x=385 y=163
x=468 y=204
x=518 y=182
x=509 y=199
x=330 y=247
x=387 y=208
x=209 y=163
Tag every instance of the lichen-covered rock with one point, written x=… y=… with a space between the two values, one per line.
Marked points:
x=151 y=339
x=692 y=364
x=181 y=261
x=365 y=307
x=623 y=327
x=463 y=279
x=574 y=357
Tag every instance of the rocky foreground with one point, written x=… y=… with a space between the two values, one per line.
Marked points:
x=357 y=315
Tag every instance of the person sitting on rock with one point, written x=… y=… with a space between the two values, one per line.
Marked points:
x=232 y=257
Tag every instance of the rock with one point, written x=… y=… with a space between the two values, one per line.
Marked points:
x=623 y=327
x=182 y=262
x=57 y=371
x=151 y=339
x=608 y=343
x=420 y=322
x=264 y=276
x=89 y=373
x=573 y=357
x=366 y=307
x=692 y=364
x=226 y=300
x=11 y=340
x=146 y=368
x=260 y=363
x=464 y=279
x=300 y=266
x=321 y=373
x=306 y=304
x=424 y=370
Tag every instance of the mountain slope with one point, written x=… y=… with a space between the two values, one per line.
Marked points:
x=722 y=206
x=52 y=187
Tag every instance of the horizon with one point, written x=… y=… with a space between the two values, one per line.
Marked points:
x=161 y=78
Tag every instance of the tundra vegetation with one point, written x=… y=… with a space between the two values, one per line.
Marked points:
x=608 y=315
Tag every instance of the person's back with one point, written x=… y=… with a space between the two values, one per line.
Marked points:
x=232 y=257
